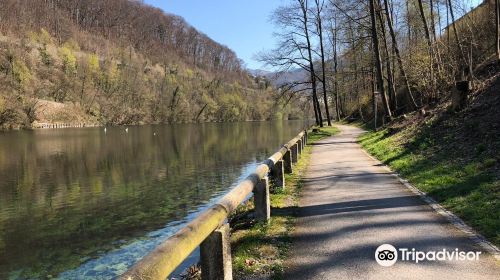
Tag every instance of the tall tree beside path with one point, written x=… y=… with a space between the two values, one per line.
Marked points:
x=319 y=28
x=497 y=30
x=398 y=54
x=378 y=60
x=429 y=44
x=303 y=4
x=294 y=50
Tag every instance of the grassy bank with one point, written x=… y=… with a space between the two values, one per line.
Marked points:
x=259 y=249
x=460 y=174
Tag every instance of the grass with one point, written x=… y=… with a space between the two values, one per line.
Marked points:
x=260 y=249
x=463 y=181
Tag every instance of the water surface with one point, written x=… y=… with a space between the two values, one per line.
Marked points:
x=81 y=203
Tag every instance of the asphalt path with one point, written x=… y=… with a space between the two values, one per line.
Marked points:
x=351 y=205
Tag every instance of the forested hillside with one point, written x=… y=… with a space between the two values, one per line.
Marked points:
x=118 y=62
x=379 y=59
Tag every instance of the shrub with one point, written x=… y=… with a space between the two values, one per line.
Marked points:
x=21 y=72
x=68 y=60
x=44 y=55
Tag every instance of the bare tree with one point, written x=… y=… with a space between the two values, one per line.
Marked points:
x=303 y=4
x=294 y=49
x=497 y=27
x=319 y=28
x=429 y=44
x=378 y=60
x=334 y=37
x=398 y=54
x=457 y=38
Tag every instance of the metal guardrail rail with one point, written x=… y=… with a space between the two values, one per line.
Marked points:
x=210 y=230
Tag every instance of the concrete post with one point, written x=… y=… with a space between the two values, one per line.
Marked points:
x=295 y=154
x=299 y=146
x=215 y=253
x=287 y=161
x=278 y=175
x=262 y=200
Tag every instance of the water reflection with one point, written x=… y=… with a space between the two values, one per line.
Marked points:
x=68 y=196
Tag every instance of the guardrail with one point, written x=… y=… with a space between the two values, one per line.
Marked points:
x=210 y=229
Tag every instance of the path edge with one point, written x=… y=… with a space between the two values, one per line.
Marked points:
x=438 y=208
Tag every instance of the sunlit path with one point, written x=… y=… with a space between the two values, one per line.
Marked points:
x=351 y=205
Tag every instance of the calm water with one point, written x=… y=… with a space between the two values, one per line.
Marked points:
x=81 y=203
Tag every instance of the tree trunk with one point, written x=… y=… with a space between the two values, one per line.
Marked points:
x=315 y=107
x=335 y=69
x=457 y=39
x=433 y=23
x=398 y=55
x=322 y=52
x=391 y=87
x=355 y=66
x=409 y=26
x=436 y=50
x=497 y=20
x=303 y=5
x=374 y=100
x=429 y=44
x=378 y=63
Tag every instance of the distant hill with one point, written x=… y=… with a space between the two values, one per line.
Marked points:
x=118 y=62
x=278 y=79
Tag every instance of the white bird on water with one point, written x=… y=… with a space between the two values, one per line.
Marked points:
x=154 y=134
x=105 y=130
x=126 y=129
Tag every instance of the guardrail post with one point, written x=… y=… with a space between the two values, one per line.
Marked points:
x=294 y=151
x=299 y=146
x=278 y=175
x=287 y=161
x=215 y=253
x=262 y=200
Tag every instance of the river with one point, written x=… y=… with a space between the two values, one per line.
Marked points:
x=81 y=203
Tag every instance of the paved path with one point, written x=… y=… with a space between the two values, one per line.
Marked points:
x=350 y=205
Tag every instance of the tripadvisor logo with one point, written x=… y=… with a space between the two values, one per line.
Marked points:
x=387 y=255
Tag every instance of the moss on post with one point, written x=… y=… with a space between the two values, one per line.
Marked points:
x=295 y=155
x=287 y=161
x=262 y=200
x=277 y=175
x=215 y=251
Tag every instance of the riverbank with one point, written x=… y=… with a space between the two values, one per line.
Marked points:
x=49 y=114
x=260 y=249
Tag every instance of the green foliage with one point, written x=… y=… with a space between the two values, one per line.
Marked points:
x=72 y=45
x=21 y=72
x=68 y=60
x=118 y=88
x=43 y=37
x=93 y=64
x=113 y=72
x=45 y=56
x=489 y=162
x=189 y=73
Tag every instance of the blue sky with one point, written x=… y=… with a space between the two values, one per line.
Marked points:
x=242 y=25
